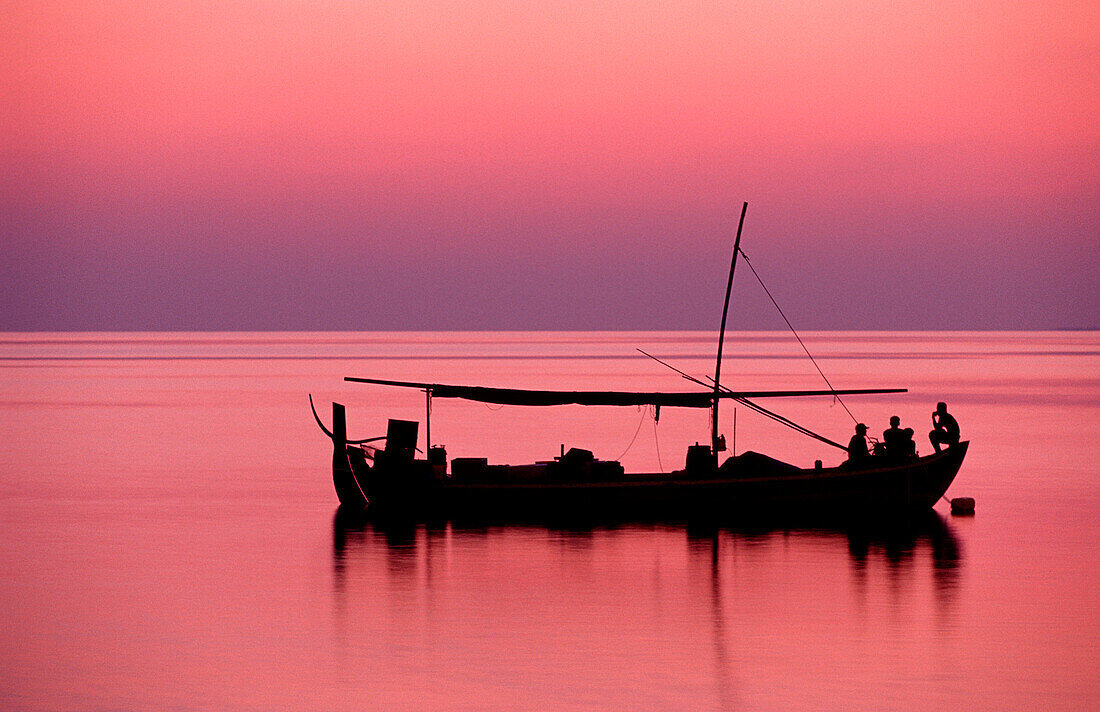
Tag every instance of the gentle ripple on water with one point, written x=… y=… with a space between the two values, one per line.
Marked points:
x=172 y=540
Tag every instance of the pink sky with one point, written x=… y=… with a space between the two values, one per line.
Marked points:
x=547 y=165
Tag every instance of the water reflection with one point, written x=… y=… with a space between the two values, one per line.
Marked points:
x=695 y=606
x=899 y=545
x=903 y=546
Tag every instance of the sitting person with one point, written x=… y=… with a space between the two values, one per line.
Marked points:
x=899 y=442
x=945 y=429
x=857 y=446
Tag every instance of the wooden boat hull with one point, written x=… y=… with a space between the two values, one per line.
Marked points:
x=745 y=484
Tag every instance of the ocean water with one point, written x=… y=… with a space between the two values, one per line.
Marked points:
x=171 y=539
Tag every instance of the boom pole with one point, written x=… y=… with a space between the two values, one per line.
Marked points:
x=722 y=337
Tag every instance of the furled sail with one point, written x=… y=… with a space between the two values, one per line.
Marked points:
x=688 y=399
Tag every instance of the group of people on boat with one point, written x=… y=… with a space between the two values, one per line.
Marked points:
x=897 y=442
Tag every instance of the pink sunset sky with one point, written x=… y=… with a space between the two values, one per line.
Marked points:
x=548 y=165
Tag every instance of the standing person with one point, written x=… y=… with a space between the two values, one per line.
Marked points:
x=857 y=446
x=945 y=429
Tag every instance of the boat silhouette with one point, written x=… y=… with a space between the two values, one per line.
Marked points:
x=393 y=480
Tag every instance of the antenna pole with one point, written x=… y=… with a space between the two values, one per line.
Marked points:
x=722 y=336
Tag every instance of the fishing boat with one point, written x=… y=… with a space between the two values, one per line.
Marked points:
x=390 y=478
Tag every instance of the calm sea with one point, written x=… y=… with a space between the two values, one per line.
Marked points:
x=170 y=538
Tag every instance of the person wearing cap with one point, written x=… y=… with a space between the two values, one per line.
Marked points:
x=899 y=441
x=857 y=446
x=945 y=429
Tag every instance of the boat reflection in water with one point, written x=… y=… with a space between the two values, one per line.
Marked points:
x=660 y=605
x=896 y=542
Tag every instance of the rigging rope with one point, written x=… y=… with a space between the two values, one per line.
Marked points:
x=753 y=406
x=800 y=343
x=789 y=423
x=637 y=430
x=657 y=445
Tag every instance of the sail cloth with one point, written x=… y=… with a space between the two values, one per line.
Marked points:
x=689 y=399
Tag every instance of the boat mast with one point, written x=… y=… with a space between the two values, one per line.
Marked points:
x=722 y=337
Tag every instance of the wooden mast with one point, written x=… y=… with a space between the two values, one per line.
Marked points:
x=722 y=337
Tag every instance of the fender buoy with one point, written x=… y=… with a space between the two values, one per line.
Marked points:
x=962 y=505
